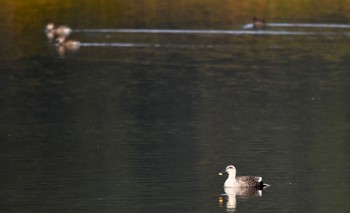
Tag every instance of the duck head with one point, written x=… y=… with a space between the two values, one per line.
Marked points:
x=60 y=40
x=50 y=26
x=230 y=169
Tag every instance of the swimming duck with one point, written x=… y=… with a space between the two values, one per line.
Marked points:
x=241 y=181
x=60 y=31
x=68 y=44
x=259 y=23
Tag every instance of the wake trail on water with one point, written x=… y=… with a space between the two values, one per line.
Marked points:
x=245 y=31
x=189 y=31
x=118 y=44
x=303 y=25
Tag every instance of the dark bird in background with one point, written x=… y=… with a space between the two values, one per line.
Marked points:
x=259 y=23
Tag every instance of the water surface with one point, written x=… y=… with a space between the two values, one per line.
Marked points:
x=162 y=96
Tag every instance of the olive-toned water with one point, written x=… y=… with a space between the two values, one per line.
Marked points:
x=162 y=95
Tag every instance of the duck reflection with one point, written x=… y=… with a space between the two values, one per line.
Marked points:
x=229 y=199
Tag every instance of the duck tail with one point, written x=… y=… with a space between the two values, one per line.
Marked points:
x=264 y=185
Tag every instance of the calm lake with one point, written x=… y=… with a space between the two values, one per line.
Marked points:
x=162 y=95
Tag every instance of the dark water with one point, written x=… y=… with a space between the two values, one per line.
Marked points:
x=142 y=121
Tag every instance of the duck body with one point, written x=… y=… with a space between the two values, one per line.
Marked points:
x=68 y=44
x=60 y=31
x=241 y=181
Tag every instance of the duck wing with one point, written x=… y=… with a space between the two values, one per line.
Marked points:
x=249 y=181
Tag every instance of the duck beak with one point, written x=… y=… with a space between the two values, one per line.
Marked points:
x=222 y=173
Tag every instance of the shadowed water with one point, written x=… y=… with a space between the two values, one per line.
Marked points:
x=160 y=97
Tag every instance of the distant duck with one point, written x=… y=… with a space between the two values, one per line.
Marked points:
x=60 y=31
x=259 y=23
x=241 y=181
x=69 y=45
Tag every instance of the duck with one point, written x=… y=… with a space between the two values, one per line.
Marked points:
x=259 y=23
x=234 y=181
x=68 y=44
x=60 y=31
